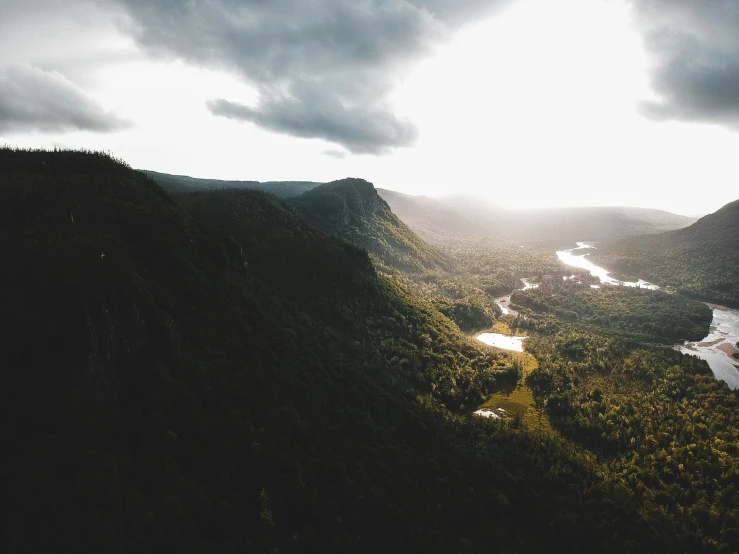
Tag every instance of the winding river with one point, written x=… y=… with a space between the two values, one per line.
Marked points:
x=504 y=341
x=716 y=348
x=581 y=261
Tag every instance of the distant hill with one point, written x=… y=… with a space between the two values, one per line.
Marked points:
x=701 y=260
x=437 y=219
x=353 y=210
x=183 y=184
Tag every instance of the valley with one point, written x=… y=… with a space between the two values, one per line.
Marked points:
x=377 y=277
x=223 y=366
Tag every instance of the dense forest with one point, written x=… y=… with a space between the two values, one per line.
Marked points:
x=224 y=371
x=660 y=315
x=701 y=260
x=664 y=429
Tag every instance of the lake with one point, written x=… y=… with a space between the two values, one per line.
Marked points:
x=502 y=341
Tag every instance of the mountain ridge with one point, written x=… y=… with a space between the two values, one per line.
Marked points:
x=701 y=260
x=352 y=209
x=438 y=219
x=183 y=183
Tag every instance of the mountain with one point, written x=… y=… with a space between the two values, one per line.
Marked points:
x=353 y=210
x=439 y=219
x=212 y=374
x=701 y=260
x=183 y=184
x=433 y=217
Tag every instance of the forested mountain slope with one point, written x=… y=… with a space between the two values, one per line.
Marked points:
x=214 y=375
x=438 y=219
x=183 y=183
x=353 y=210
x=701 y=260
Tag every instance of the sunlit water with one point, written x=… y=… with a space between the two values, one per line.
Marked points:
x=504 y=302
x=716 y=348
x=581 y=261
x=502 y=341
x=497 y=413
x=527 y=285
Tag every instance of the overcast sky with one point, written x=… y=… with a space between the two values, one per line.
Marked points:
x=530 y=103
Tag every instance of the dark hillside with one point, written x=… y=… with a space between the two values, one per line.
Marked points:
x=182 y=184
x=170 y=385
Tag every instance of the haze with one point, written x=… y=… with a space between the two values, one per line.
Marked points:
x=528 y=103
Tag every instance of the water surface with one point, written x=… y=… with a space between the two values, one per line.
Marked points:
x=583 y=262
x=502 y=341
x=718 y=346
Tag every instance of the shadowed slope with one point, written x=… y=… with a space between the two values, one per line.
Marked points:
x=352 y=209
x=171 y=384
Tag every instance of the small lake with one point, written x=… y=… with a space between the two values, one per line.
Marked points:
x=716 y=348
x=502 y=341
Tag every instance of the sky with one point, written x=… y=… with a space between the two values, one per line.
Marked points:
x=527 y=103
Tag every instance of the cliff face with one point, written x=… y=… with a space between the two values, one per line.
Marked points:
x=353 y=210
x=343 y=202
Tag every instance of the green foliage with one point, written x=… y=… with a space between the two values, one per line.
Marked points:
x=661 y=316
x=665 y=428
x=467 y=313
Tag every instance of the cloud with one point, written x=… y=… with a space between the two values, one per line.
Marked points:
x=334 y=153
x=323 y=68
x=34 y=99
x=309 y=111
x=695 y=52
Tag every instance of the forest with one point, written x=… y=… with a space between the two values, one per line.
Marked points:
x=224 y=371
x=664 y=430
x=659 y=315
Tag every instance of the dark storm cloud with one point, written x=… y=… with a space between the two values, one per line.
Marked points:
x=695 y=49
x=309 y=111
x=32 y=99
x=323 y=68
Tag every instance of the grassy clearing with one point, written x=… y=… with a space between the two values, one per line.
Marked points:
x=519 y=402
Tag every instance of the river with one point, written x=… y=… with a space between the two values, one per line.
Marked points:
x=716 y=348
x=583 y=262
x=504 y=341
